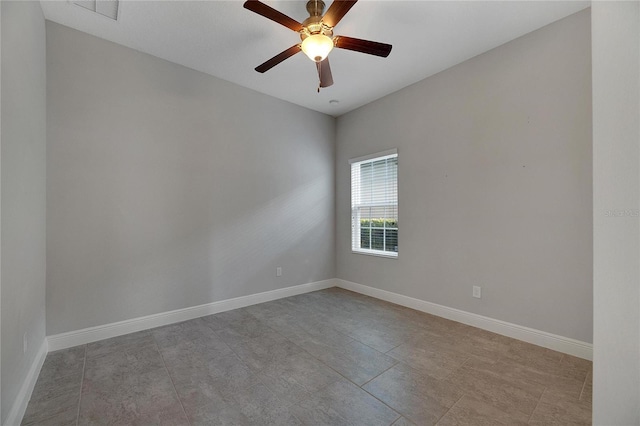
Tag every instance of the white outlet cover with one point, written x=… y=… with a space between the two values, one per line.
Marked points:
x=477 y=291
x=278 y=271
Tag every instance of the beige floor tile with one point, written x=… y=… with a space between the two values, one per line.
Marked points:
x=524 y=374
x=59 y=405
x=402 y=421
x=483 y=383
x=469 y=411
x=298 y=376
x=553 y=409
x=430 y=357
x=261 y=351
x=343 y=403
x=65 y=418
x=380 y=338
x=533 y=356
x=326 y=357
x=587 y=391
x=420 y=398
x=355 y=361
x=133 y=341
x=576 y=368
x=300 y=330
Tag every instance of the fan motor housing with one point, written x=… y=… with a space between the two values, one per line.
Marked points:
x=313 y=24
x=316 y=28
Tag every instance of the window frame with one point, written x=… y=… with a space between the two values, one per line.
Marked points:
x=356 y=208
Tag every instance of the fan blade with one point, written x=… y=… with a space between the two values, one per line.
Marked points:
x=266 y=66
x=324 y=73
x=364 y=46
x=270 y=13
x=336 y=11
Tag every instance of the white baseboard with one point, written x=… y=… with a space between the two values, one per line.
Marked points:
x=530 y=335
x=93 y=334
x=541 y=338
x=16 y=413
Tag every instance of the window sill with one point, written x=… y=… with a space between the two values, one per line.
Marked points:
x=391 y=255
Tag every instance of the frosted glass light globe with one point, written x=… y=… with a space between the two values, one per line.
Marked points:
x=317 y=47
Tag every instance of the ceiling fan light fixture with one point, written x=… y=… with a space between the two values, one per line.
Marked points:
x=317 y=47
x=316 y=33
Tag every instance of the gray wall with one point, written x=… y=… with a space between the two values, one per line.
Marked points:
x=169 y=188
x=494 y=183
x=616 y=171
x=22 y=149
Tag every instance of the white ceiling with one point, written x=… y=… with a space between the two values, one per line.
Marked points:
x=225 y=40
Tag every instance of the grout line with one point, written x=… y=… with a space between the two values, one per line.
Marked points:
x=171 y=379
x=584 y=384
x=308 y=392
x=303 y=350
x=346 y=378
x=381 y=401
x=387 y=352
x=395 y=410
x=330 y=368
x=352 y=382
x=449 y=409
x=365 y=344
x=465 y=362
x=296 y=417
x=84 y=365
x=537 y=403
x=381 y=373
x=256 y=373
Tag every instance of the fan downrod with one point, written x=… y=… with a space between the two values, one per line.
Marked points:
x=315 y=7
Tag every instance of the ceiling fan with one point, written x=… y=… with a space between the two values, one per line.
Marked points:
x=316 y=33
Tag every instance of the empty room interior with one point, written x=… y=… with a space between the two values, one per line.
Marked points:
x=439 y=227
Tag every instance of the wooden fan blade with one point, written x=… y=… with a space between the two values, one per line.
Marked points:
x=324 y=73
x=270 y=13
x=336 y=11
x=266 y=66
x=364 y=46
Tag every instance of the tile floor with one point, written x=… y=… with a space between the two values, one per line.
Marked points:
x=331 y=357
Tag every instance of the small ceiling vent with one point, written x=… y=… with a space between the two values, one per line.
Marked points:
x=108 y=8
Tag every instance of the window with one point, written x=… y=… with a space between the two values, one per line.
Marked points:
x=374 y=204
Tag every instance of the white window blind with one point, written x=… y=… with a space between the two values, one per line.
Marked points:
x=374 y=204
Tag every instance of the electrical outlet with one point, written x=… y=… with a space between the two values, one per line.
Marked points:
x=25 y=344
x=477 y=291
x=278 y=271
